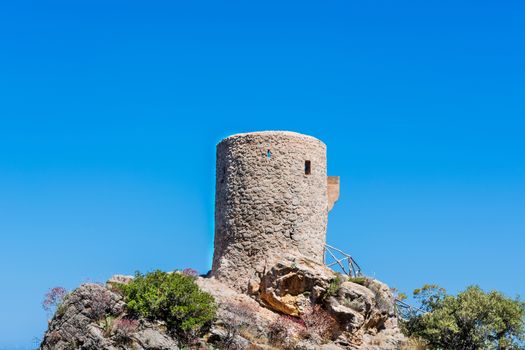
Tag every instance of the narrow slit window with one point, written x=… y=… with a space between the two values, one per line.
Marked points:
x=223 y=174
x=307 y=167
x=268 y=154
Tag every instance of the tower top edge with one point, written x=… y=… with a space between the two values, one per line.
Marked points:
x=263 y=133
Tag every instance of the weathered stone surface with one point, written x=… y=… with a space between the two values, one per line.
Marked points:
x=333 y=190
x=86 y=320
x=271 y=199
x=294 y=283
x=383 y=296
x=330 y=347
x=151 y=338
x=366 y=312
x=235 y=306
x=363 y=313
x=351 y=305
x=118 y=279
x=387 y=339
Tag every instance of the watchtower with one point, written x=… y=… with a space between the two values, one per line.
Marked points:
x=272 y=199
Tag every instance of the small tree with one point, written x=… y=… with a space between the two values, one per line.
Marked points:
x=472 y=320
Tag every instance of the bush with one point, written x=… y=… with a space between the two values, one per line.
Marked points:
x=334 y=286
x=174 y=298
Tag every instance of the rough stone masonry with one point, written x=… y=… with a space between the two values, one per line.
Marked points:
x=272 y=199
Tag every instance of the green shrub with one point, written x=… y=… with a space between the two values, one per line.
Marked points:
x=171 y=297
x=334 y=286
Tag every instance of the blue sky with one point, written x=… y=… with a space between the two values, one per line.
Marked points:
x=110 y=112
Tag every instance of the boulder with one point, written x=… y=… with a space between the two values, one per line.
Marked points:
x=367 y=314
x=351 y=305
x=154 y=339
x=236 y=312
x=293 y=284
x=118 y=279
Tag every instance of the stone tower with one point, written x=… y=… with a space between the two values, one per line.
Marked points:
x=272 y=199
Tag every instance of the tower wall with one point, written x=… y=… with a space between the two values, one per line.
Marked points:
x=271 y=201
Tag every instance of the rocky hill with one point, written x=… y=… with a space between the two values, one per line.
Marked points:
x=296 y=304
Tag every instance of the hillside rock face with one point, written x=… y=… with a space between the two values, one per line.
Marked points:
x=297 y=304
x=91 y=318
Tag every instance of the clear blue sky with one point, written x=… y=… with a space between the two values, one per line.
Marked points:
x=110 y=112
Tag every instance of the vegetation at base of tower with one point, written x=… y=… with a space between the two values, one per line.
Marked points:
x=472 y=320
x=334 y=285
x=174 y=298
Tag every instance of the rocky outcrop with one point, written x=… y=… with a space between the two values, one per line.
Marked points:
x=296 y=304
x=94 y=318
x=366 y=314
x=293 y=284
x=364 y=311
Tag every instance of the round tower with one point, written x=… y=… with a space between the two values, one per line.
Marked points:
x=270 y=201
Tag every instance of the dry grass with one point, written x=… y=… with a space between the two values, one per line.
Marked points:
x=414 y=344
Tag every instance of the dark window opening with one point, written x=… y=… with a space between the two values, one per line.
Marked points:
x=268 y=154
x=223 y=174
x=307 y=167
